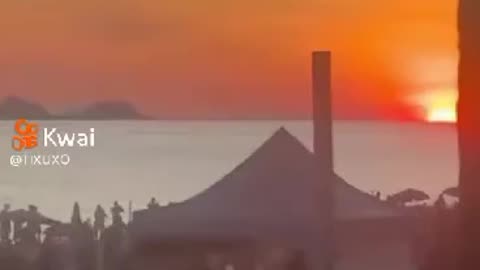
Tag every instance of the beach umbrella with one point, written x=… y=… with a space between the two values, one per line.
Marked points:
x=19 y=215
x=410 y=195
x=452 y=191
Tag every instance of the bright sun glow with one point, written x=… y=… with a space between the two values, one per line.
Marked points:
x=446 y=115
x=438 y=105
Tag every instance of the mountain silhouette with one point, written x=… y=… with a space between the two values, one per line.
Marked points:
x=12 y=108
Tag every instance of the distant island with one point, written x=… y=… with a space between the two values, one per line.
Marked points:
x=12 y=108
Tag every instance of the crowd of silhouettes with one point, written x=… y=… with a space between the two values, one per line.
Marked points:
x=74 y=245
x=433 y=249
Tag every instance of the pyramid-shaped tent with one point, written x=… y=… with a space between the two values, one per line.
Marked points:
x=273 y=192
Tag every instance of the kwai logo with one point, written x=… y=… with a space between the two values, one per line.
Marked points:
x=26 y=137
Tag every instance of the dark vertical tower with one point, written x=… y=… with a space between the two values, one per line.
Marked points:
x=469 y=131
x=323 y=149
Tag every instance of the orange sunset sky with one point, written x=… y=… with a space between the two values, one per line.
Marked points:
x=393 y=59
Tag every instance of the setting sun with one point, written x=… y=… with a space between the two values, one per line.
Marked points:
x=445 y=115
x=438 y=105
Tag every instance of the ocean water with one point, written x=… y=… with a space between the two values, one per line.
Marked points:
x=173 y=160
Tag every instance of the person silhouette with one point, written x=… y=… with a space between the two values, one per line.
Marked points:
x=153 y=204
x=440 y=204
x=34 y=222
x=117 y=211
x=5 y=224
x=99 y=221
x=76 y=216
x=18 y=218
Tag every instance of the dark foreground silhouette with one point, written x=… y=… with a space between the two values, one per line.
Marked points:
x=76 y=245
x=469 y=133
